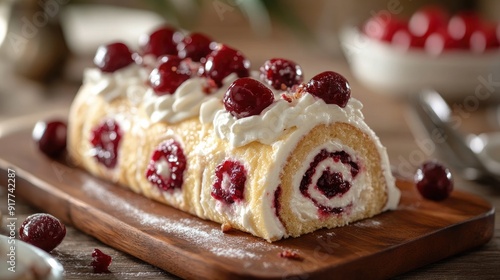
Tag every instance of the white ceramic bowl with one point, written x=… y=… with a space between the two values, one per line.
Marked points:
x=28 y=259
x=391 y=70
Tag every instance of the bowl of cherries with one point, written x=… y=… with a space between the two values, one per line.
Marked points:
x=452 y=53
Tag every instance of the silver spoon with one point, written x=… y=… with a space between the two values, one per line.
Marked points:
x=473 y=157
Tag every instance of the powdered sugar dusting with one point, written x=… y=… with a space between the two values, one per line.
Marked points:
x=368 y=223
x=193 y=230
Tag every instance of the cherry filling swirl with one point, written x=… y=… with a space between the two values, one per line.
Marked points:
x=328 y=183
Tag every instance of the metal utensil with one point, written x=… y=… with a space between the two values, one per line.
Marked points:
x=435 y=116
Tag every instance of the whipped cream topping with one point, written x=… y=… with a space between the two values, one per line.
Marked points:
x=280 y=116
x=128 y=82
x=184 y=103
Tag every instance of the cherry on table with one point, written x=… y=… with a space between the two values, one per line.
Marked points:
x=100 y=262
x=112 y=57
x=43 y=231
x=434 y=181
x=247 y=97
x=50 y=137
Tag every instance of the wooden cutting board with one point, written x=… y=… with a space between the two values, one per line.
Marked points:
x=419 y=232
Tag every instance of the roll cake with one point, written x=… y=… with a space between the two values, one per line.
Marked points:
x=186 y=122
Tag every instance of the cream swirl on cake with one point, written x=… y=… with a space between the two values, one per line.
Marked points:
x=185 y=102
x=128 y=82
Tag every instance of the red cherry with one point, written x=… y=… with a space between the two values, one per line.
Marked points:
x=160 y=42
x=330 y=86
x=169 y=75
x=281 y=73
x=43 y=231
x=428 y=20
x=100 y=261
x=498 y=32
x=105 y=139
x=434 y=181
x=112 y=57
x=483 y=38
x=247 y=97
x=404 y=40
x=50 y=137
x=382 y=27
x=195 y=46
x=223 y=61
x=439 y=42
x=167 y=165
x=462 y=25
x=229 y=184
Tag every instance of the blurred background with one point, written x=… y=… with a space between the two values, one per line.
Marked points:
x=46 y=44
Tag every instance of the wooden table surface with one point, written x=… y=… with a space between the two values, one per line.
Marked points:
x=386 y=115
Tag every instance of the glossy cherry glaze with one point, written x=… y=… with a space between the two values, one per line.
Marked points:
x=330 y=86
x=247 y=97
x=112 y=57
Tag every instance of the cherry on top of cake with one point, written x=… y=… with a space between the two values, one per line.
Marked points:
x=177 y=57
x=248 y=97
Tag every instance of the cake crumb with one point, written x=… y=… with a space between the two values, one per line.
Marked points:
x=225 y=227
x=292 y=255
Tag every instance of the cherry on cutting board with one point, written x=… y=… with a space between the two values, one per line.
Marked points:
x=247 y=97
x=112 y=57
x=43 y=231
x=50 y=137
x=100 y=261
x=434 y=181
